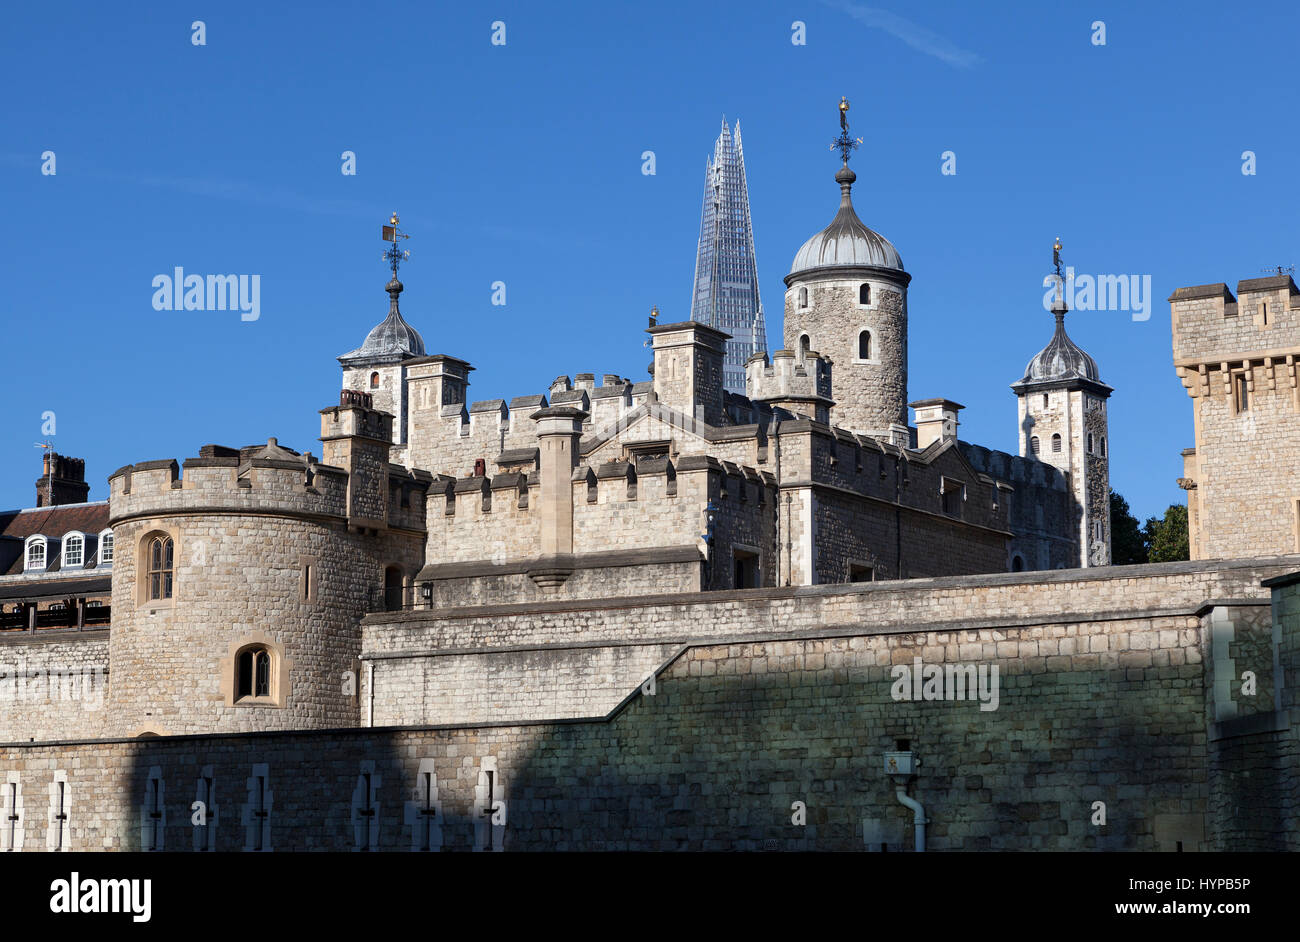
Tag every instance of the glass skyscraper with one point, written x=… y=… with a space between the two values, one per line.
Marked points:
x=726 y=272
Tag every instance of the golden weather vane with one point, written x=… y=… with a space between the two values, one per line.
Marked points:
x=845 y=143
x=394 y=255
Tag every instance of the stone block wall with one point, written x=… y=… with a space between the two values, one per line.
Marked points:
x=870 y=395
x=1243 y=476
x=53 y=685
x=779 y=697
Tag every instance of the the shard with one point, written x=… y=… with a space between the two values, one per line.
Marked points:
x=726 y=273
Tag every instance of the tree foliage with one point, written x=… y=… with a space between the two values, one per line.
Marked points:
x=1127 y=545
x=1166 y=537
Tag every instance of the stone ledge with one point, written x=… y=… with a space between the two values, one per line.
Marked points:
x=601 y=560
x=1028 y=579
x=772 y=636
x=1274 y=721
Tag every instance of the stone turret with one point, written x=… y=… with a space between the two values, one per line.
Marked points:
x=801 y=385
x=356 y=437
x=1062 y=415
x=259 y=552
x=847 y=297
x=688 y=369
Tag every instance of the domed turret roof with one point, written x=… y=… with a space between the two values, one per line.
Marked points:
x=846 y=242
x=1061 y=359
x=391 y=338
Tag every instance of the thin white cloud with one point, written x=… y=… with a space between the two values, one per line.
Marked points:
x=916 y=36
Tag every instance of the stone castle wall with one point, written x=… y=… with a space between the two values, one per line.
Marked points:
x=53 y=685
x=1107 y=705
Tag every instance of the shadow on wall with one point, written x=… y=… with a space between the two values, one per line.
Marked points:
x=711 y=758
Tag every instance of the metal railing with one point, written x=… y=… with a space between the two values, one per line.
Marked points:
x=73 y=617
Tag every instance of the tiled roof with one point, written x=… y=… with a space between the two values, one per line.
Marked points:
x=17 y=525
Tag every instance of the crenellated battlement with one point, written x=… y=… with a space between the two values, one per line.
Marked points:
x=451 y=437
x=267 y=479
x=1213 y=331
x=616 y=505
x=798 y=384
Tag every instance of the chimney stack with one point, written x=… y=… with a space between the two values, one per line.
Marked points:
x=62 y=481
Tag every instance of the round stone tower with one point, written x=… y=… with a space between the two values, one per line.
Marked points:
x=239 y=586
x=846 y=298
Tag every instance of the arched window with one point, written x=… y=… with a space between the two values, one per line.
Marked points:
x=374 y=380
x=864 y=344
x=1017 y=564
x=160 y=561
x=1056 y=441
x=805 y=346
x=1103 y=446
x=253 y=673
x=392 y=589
x=36 y=553
x=1044 y=400
x=105 y=547
x=1090 y=443
x=1033 y=445
x=864 y=296
x=803 y=297
x=74 y=550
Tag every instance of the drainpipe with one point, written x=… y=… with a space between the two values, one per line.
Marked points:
x=901 y=766
x=370 y=693
x=920 y=820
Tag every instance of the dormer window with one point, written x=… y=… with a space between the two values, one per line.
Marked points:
x=106 y=547
x=35 y=553
x=74 y=551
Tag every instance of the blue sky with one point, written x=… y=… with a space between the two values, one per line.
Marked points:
x=522 y=163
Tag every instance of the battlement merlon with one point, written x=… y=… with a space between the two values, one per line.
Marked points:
x=1211 y=328
x=688 y=376
x=800 y=385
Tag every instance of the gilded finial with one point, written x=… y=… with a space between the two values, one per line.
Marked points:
x=844 y=143
x=1056 y=256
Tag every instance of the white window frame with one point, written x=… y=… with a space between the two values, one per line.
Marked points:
x=45 y=554
x=68 y=537
x=106 y=534
x=875 y=346
x=875 y=297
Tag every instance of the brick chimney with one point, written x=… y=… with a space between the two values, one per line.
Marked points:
x=62 y=481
